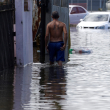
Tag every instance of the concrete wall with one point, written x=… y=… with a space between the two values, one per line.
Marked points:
x=24 y=43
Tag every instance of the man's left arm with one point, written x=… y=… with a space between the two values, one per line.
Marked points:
x=65 y=37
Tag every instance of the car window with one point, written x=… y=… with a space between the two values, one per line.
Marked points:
x=96 y=17
x=69 y=9
x=74 y=10
x=81 y=10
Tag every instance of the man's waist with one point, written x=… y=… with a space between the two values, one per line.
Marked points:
x=55 y=41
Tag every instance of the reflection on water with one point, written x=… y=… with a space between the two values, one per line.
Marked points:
x=53 y=85
x=6 y=89
x=83 y=83
x=38 y=88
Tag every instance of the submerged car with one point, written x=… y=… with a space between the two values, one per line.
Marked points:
x=95 y=20
x=76 y=13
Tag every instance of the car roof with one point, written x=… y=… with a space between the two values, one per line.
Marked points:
x=74 y=5
x=100 y=13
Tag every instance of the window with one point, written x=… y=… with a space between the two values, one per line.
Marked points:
x=96 y=17
x=81 y=10
x=74 y=10
x=69 y=9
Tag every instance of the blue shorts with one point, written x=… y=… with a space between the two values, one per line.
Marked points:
x=54 y=51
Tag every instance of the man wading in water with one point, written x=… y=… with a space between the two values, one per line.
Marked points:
x=56 y=45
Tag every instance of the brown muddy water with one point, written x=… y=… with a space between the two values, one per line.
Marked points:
x=83 y=83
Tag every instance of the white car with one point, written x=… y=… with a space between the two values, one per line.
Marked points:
x=95 y=20
x=76 y=13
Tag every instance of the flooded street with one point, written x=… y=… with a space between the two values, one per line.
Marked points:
x=83 y=83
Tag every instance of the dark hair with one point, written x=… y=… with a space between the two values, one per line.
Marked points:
x=55 y=15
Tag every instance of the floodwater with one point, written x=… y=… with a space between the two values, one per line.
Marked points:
x=83 y=83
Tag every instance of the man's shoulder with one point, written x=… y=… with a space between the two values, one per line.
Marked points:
x=61 y=22
x=52 y=23
x=49 y=23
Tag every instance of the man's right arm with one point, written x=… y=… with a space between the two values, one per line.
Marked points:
x=47 y=36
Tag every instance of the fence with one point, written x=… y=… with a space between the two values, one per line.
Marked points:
x=90 y=5
x=6 y=34
x=62 y=6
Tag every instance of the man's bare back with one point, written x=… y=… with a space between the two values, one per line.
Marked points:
x=56 y=31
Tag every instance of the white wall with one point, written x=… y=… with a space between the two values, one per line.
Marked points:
x=24 y=42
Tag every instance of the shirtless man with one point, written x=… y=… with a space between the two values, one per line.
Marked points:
x=56 y=45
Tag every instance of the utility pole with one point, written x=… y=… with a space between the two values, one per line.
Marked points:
x=43 y=5
x=91 y=5
x=100 y=3
x=87 y=4
x=42 y=32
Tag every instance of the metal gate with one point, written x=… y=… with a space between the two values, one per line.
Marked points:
x=62 y=6
x=6 y=34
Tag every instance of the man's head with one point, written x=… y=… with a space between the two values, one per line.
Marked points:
x=55 y=15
